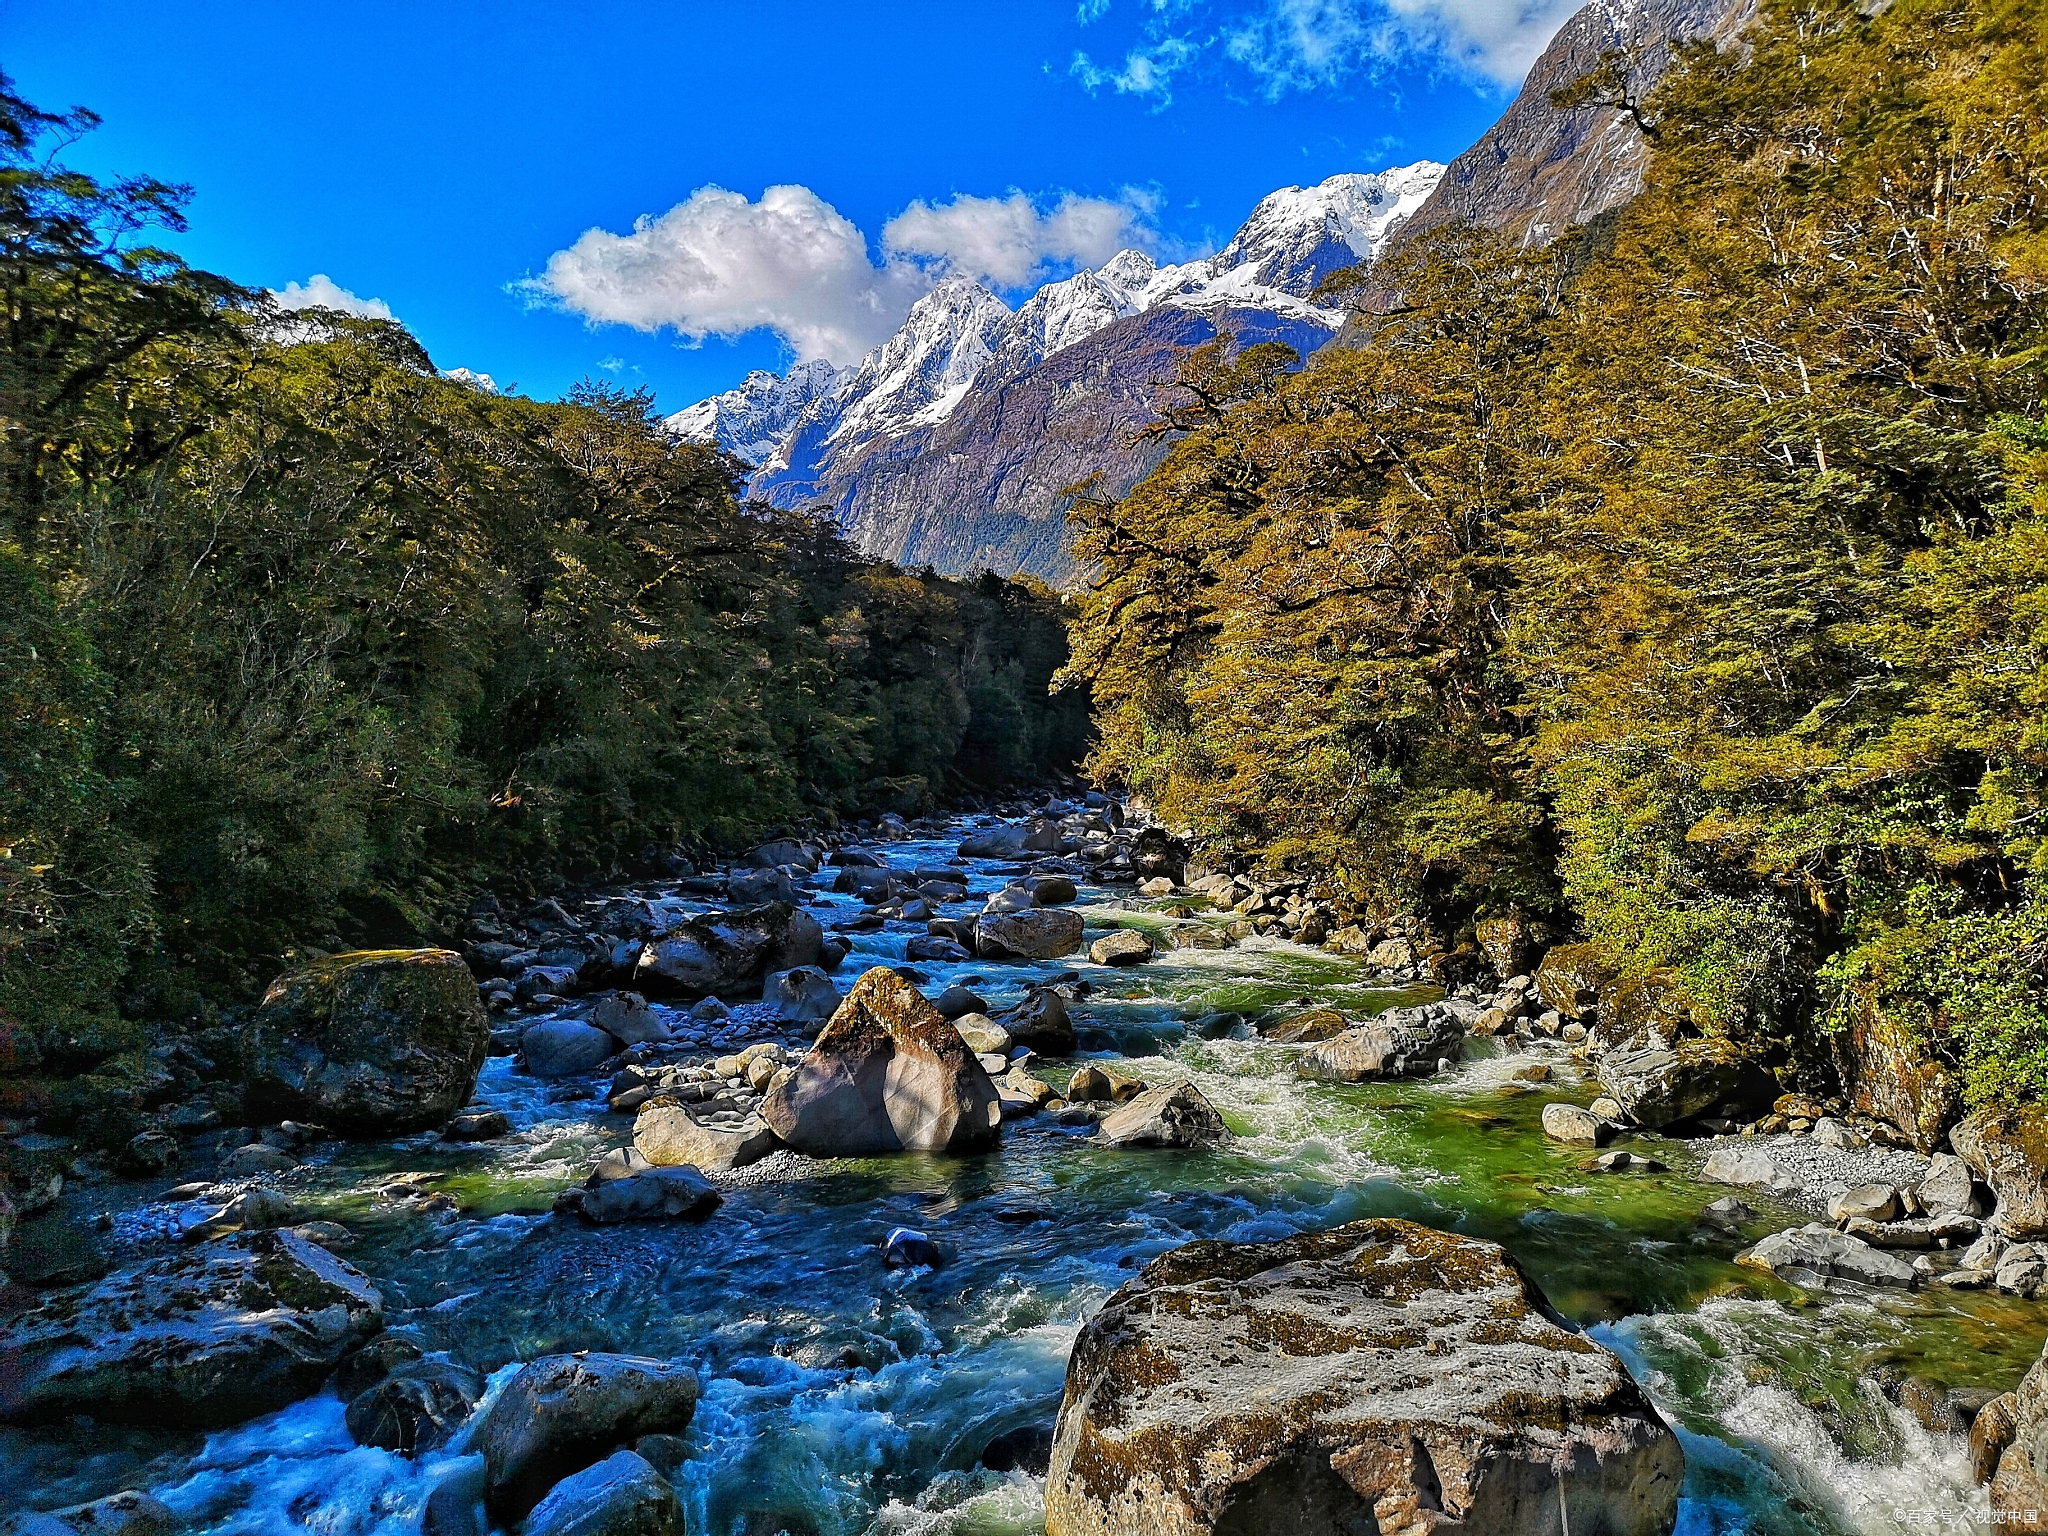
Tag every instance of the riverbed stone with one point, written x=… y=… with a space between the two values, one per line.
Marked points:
x=957 y=1000
x=1040 y=1021
x=415 y=1408
x=1746 y=1167
x=983 y=1035
x=1403 y=1042
x=1571 y=1122
x=131 y=1513
x=1376 y=1377
x=1814 y=1254
x=625 y=1186
x=1004 y=841
x=2008 y=1150
x=887 y=1074
x=1866 y=1202
x=623 y=1495
x=628 y=1018
x=1949 y=1185
x=729 y=953
x=204 y=1338
x=1173 y=1115
x=563 y=1413
x=669 y=1136
x=372 y=1043
x=1124 y=947
x=1661 y=1086
x=802 y=995
x=1312 y=1026
x=564 y=1047
x=1042 y=933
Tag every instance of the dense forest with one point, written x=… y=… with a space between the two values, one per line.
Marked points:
x=1681 y=588
x=302 y=644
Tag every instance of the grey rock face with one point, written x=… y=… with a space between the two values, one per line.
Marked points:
x=1405 y=1042
x=2008 y=1149
x=1376 y=1377
x=566 y=1412
x=211 y=1336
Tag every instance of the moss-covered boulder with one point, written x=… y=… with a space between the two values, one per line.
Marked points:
x=1381 y=1376
x=887 y=1074
x=2008 y=1148
x=1892 y=1070
x=1571 y=976
x=375 y=1043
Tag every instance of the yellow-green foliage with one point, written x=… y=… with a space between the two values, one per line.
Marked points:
x=300 y=641
x=1687 y=582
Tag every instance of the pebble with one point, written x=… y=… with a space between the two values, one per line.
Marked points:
x=1822 y=1172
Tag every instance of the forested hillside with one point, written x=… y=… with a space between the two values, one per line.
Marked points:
x=1682 y=588
x=301 y=643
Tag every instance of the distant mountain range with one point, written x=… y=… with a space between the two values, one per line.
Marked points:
x=954 y=443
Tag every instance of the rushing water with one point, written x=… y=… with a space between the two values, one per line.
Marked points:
x=841 y=1397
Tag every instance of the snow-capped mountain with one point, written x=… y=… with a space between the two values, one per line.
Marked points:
x=960 y=334
x=751 y=422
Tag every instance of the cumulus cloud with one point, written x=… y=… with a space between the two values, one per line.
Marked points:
x=322 y=292
x=719 y=265
x=1009 y=242
x=1496 y=38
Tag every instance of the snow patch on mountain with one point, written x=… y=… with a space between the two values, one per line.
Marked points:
x=752 y=421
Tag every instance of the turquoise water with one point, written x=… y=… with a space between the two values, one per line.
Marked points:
x=842 y=1398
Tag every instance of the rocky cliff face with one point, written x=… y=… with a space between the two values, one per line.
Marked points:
x=1543 y=168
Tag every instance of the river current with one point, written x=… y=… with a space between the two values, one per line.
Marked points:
x=841 y=1397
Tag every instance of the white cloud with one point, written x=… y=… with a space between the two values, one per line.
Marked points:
x=1091 y=10
x=1146 y=71
x=323 y=292
x=719 y=265
x=1007 y=241
x=1497 y=38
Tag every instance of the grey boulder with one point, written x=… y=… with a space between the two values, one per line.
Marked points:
x=1124 y=947
x=132 y=1513
x=1814 y=1254
x=729 y=952
x=208 y=1337
x=667 y=1135
x=416 y=1408
x=623 y=1495
x=887 y=1074
x=626 y=1186
x=563 y=1413
x=1403 y=1042
x=801 y=995
x=1041 y=933
x=1659 y=1087
x=564 y=1047
x=1171 y=1115
x=1376 y=1377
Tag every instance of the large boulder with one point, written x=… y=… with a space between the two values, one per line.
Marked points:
x=887 y=1074
x=2009 y=1450
x=1814 y=1254
x=669 y=1136
x=1039 y=933
x=132 y=1513
x=210 y=1336
x=1643 y=1012
x=623 y=1495
x=1377 y=1377
x=564 y=1047
x=1171 y=1115
x=1660 y=1086
x=1570 y=978
x=729 y=952
x=1512 y=941
x=1310 y=1027
x=563 y=1413
x=2008 y=1149
x=377 y=1043
x=752 y=887
x=1403 y=1042
x=626 y=1186
x=1123 y=947
x=1888 y=1070
x=415 y=1408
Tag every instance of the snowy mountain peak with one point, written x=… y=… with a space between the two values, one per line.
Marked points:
x=918 y=374
x=1299 y=235
x=750 y=422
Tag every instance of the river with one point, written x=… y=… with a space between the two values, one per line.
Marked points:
x=841 y=1397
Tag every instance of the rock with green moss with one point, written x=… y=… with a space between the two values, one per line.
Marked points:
x=2008 y=1149
x=376 y=1043
x=887 y=1074
x=1381 y=1376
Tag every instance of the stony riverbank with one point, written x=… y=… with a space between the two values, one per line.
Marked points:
x=1166 y=1069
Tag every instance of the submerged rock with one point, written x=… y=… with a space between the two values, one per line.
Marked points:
x=1404 y=1042
x=563 y=1413
x=1171 y=1115
x=1571 y=1122
x=1378 y=1377
x=623 y=1495
x=887 y=1074
x=376 y=1043
x=629 y=1188
x=211 y=1336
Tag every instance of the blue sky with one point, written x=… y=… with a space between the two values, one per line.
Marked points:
x=437 y=157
